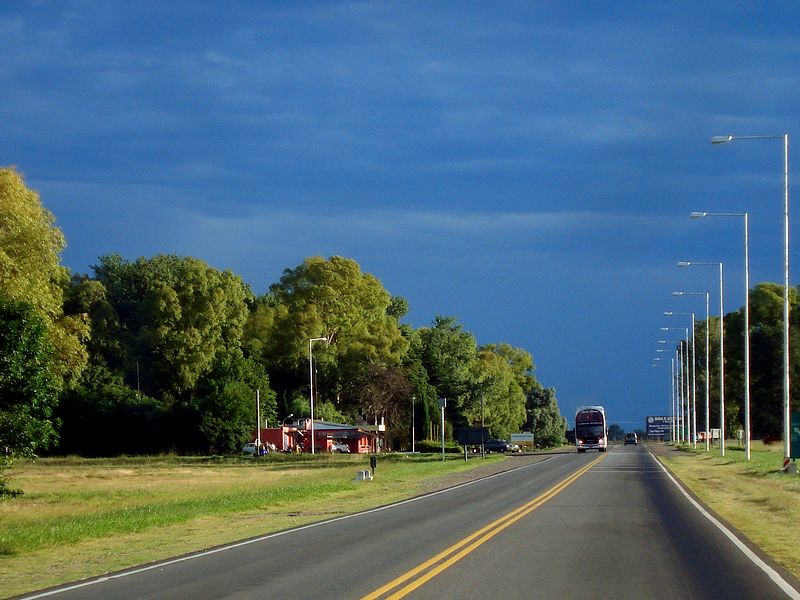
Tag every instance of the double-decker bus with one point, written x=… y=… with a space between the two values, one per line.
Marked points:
x=591 y=431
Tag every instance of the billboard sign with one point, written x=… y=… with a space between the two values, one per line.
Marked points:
x=658 y=427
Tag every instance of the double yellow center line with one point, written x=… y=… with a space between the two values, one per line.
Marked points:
x=426 y=571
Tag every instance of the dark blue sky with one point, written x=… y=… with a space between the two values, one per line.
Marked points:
x=528 y=167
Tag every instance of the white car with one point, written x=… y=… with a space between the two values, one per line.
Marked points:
x=340 y=447
x=250 y=449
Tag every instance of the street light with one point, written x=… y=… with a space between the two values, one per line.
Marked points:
x=687 y=419
x=311 y=378
x=708 y=370
x=671 y=390
x=721 y=139
x=681 y=393
x=699 y=215
x=693 y=395
x=688 y=263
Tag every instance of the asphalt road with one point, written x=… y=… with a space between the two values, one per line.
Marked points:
x=571 y=526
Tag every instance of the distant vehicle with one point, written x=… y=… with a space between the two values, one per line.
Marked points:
x=630 y=438
x=340 y=447
x=250 y=449
x=512 y=447
x=496 y=446
x=591 y=432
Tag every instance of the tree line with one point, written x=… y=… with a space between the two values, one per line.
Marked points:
x=766 y=363
x=166 y=353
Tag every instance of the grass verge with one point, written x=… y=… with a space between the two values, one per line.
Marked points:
x=755 y=496
x=80 y=518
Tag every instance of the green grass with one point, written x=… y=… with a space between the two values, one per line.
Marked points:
x=82 y=517
x=754 y=496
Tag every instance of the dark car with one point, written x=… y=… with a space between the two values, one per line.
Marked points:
x=630 y=438
x=496 y=446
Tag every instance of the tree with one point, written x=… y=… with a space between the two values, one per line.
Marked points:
x=615 y=432
x=30 y=271
x=326 y=298
x=548 y=425
x=449 y=355
x=28 y=387
x=167 y=318
x=497 y=397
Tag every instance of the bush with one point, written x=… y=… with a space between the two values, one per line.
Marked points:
x=434 y=446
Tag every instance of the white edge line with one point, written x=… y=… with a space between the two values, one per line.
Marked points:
x=770 y=572
x=262 y=538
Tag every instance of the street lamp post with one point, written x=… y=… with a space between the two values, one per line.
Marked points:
x=699 y=215
x=681 y=381
x=413 y=435
x=687 y=263
x=311 y=384
x=693 y=395
x=708 y=371
x=671 y=391
x=721 y=139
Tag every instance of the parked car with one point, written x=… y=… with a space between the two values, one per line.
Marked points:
x=340 y=447
x=630 y=438
x=496 y=446
x=250 y=449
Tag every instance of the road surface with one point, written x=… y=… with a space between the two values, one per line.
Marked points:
x=571 y=526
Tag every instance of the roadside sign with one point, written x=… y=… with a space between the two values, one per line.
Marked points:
x=659 y=427
x=794 y=438
x=522 y=438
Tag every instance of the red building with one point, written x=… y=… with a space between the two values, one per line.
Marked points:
x=296 y=437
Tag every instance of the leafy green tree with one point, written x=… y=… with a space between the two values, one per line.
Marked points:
x=102 y=416
x=766 y=360
x=424 y=396
x=497 y=398
x=227 y=404
x=548 y=425
x=325 y=298
x=449 y=355
x=167 y=319
x=615 y=432
x=30 y=271
x=28 y=387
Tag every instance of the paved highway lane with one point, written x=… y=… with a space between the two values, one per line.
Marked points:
x=622 y=530
x=564 y=527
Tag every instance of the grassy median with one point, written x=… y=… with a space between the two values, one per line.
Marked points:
x=79 y=518
x=755 y=496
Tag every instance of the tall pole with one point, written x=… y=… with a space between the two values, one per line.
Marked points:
x=311 y=384
x=747 y=336
x=258 y=420
x=787 y=441
x=688 y=420
x=672 y=391
x=413 y=435
x=721 y=368
x=694 y=389
x=708 y=372
x=721 y=139
x=683 y=393
x=311 y=389
x=746 y=217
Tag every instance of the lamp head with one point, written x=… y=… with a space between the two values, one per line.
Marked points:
x=698 y=215
x=677 y=293
x=721 y=139
x=684 y=263
x=668 y=313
